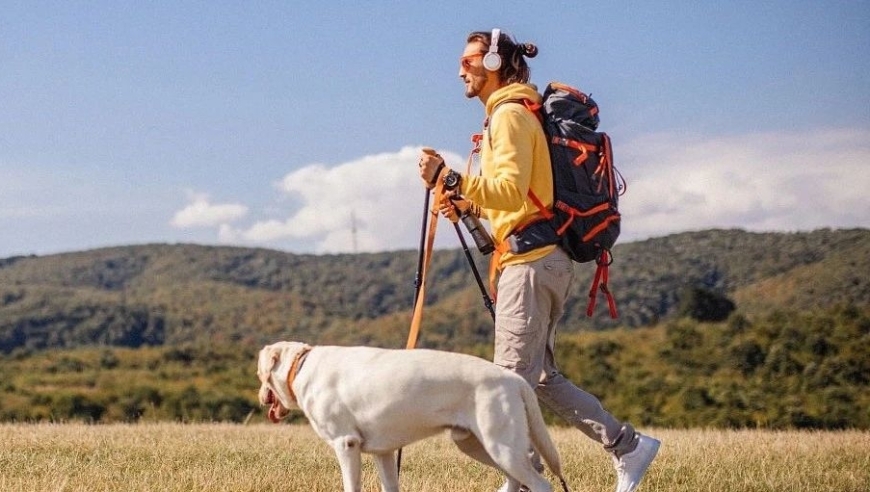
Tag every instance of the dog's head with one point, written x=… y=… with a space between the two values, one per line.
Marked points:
x=273 y=366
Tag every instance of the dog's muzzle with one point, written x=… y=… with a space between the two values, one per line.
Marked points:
x=276 y=411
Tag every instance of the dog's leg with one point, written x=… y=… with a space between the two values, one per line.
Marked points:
x=388 y=471
x=526 y=475
x=510 y=485
x=468 y=443
x=508 y=446
x=347 y=449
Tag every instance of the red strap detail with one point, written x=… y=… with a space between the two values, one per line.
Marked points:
x=495 y=267
x=476 y=138
x=605 y=166
x=590 y=308
x=565 y=226
x=582 y=147
x=568 y=209
x=573 y=212
x=534 y=108
x=576 y=92
x=600 y=227
x=546 y=212
x=602 y=276
x=611 y=303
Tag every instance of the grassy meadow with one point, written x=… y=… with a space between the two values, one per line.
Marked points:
x=264 y=457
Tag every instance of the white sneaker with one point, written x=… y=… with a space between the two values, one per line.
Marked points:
x=504 y=488
x=631 y=467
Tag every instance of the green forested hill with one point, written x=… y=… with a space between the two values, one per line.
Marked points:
x=721 y=328
x=159 y=294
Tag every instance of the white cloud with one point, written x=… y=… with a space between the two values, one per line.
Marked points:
x=763 y=182
x=201 y=213
x=374 y=203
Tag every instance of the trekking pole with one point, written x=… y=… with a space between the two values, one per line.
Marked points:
x=426 y=237
x=418 y=277
x=487 y=301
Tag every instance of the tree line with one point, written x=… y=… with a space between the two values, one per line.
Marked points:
x=718 y=328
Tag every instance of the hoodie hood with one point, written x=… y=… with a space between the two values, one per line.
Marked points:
x=512 y=91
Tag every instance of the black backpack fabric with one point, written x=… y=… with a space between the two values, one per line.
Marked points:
x=586 y=185
x=584 y=219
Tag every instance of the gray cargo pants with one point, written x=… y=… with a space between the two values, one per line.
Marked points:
x=531 y=299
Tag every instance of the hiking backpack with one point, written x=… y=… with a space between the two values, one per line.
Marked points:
x=584 y=219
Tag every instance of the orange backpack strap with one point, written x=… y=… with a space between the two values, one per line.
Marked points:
x=495 y=267
x=546 y=212
x=535 y=109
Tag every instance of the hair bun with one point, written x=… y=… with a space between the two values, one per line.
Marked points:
x=529 y=50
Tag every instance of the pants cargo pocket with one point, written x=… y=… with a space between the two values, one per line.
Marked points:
x=513 y=343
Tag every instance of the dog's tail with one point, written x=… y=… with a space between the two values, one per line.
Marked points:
x=540 y=435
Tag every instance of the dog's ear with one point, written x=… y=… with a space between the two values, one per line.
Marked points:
x=271 y=355
x=274 y=356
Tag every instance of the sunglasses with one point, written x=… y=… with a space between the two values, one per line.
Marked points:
x=465 y=61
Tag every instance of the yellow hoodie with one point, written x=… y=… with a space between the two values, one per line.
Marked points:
x=513 y=158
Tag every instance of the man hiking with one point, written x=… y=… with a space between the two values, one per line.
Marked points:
x=532 y=286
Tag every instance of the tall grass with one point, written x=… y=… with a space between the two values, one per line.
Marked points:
x=261 y=457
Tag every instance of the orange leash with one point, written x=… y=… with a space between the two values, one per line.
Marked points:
x=417 y=318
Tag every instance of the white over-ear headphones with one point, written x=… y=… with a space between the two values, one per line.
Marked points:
x=492 y=60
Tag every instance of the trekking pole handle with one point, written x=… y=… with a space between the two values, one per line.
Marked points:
x=432 y=152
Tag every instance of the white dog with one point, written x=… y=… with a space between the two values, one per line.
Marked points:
x=371 y=400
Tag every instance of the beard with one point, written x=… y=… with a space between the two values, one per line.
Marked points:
x=473 y=87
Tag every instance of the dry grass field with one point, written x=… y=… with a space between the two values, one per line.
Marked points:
x=263 y=457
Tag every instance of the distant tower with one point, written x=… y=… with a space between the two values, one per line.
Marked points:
x=353 y=230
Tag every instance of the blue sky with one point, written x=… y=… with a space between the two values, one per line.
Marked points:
x=282 y=124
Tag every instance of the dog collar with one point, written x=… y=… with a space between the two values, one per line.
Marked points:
x=294 y=370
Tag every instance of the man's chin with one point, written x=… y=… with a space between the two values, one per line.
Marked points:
x=470 y=91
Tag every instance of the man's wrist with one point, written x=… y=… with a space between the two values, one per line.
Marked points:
x=437 y=173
